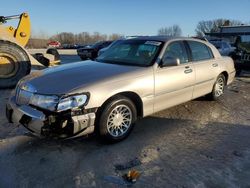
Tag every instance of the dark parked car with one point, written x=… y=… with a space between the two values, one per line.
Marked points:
x=69 y=46
x=91 y=52
x=241 y=56
x=224 y=47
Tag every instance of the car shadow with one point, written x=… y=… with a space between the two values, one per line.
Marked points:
x=147 y=131
x=172 y=145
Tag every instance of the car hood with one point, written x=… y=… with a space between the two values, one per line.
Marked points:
x=64 y=79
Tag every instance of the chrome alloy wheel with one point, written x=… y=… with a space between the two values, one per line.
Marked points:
x=219 y=87
x=119 y=120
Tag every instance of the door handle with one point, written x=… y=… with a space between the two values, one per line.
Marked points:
x=188 y=71
x=215 y=64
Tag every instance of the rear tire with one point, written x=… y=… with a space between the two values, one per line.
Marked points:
x=83 y=58
x=238 y=71
x=218 y=88
x=14 y=64
x=117 y=119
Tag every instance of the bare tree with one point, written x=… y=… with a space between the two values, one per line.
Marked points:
x=39 y=34
x=214 y=25
x=83 y=37
x=65 y=38
x=174 y=30
x=114 y=36
x=204 y=27
x=37 y=43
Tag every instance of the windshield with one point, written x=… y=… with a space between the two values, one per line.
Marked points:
x=96 y=44
x=115 y=42
x=132 y=52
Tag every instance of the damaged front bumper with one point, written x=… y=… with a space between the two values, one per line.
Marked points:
x=49 y=124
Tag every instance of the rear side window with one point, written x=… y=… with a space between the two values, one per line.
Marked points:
x=200 y=51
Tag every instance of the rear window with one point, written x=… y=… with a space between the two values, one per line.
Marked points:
x=200 y=51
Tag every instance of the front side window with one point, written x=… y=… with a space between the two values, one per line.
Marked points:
x=177 y=50
x=200 y=51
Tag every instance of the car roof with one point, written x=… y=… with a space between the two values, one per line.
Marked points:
x=156 y=38
x=162 y=38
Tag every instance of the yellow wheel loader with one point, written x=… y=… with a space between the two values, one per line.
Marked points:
x=15 y=61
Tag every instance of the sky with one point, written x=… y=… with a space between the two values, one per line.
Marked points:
x=126 y=17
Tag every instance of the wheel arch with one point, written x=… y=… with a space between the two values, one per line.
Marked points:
x=134 y=97
x=225 y=74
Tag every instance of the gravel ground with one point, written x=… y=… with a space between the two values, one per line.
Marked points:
x=196 y=144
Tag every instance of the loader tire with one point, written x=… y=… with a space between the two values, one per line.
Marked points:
x=54 y=51
x=14 y=64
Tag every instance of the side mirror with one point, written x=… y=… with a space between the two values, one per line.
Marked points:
x=170 y=61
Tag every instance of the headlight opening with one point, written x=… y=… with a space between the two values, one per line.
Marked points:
x=72 y=102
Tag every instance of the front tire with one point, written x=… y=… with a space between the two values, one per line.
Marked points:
x=117 y=119
x=218 y=88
